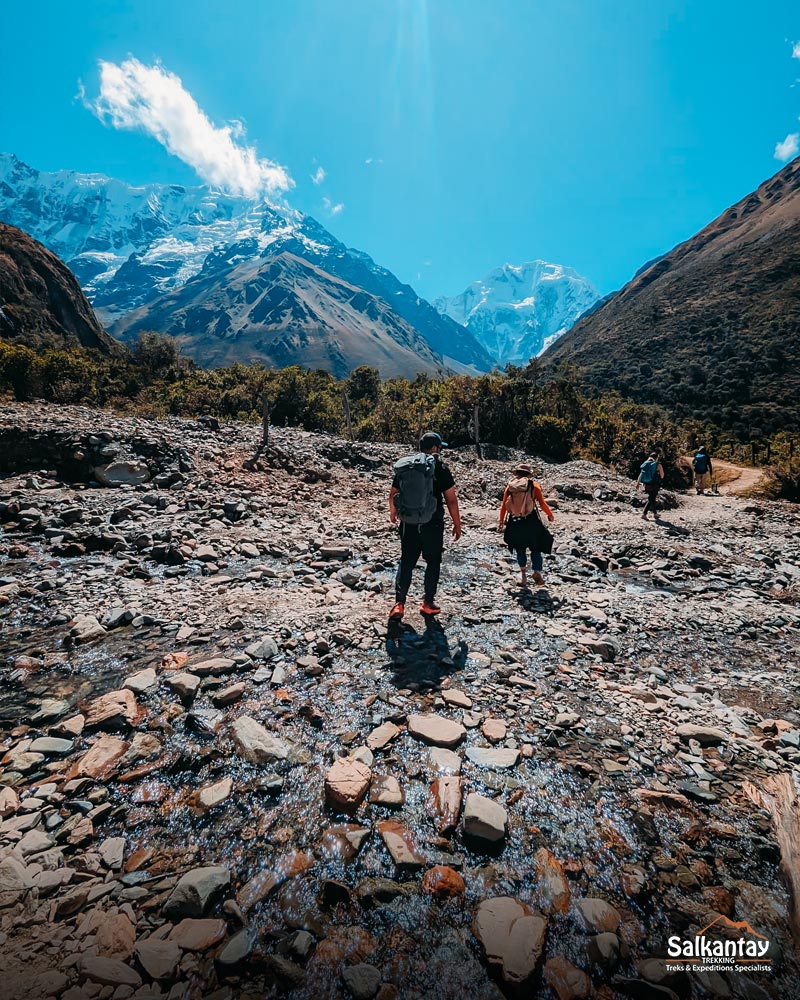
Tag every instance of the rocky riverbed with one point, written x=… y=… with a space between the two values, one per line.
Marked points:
x=225 y=775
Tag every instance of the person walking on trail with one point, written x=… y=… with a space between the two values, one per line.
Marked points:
x=521 y=524
x=651 y=479
x=701 y=463
x=421 y=487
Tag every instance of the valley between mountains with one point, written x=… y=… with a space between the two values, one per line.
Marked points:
x=225 y=776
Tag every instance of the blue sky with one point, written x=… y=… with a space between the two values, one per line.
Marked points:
x=453 y=135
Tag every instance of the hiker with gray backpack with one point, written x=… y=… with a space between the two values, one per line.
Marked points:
x=421 y=487
x=651 y=479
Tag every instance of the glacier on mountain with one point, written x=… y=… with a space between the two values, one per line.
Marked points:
x=128 y=245
x=518 y=310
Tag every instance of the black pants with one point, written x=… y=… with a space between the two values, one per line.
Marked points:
x=419 y=540
x=651 y=500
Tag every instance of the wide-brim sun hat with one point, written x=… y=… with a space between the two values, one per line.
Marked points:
x=525 y=470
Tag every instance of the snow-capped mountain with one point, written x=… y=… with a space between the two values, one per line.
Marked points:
x=516 y=311
x=128 y=245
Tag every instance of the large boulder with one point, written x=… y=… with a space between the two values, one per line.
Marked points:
x=512 y=937
x=197 y=891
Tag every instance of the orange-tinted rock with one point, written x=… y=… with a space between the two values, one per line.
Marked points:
x=116 y=937
x=265 y=882
x=113 y=706
x=719 y=899
x=553 y=884
x=343 y=840
x=443 y=882
x=400 y=844
x=565 y=980
x=99 y=760
x=346 y=783
x=446 y=793
x=198 y=935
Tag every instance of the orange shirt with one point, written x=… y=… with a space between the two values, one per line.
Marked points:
x=538 y=497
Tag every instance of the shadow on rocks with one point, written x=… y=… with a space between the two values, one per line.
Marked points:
x=421 y=660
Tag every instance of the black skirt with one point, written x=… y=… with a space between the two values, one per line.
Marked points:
x=524 y=533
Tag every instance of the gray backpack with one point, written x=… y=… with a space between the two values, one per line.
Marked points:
x=416 y=501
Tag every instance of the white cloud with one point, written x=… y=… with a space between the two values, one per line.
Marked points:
x=796 y=50
x=789 y=148
x=152 y=100
x=331 y=208
x=318 y=176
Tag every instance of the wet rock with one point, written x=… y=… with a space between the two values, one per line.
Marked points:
x=86 y=628
x=565 y=980
x=605 y=648
x=443 y=882
x=184 y=684
x=142 y=681
x=385 y=790
x=197 y=891
x=446 y=795
x=436 y=730
x=262 y=884
x=456 y=698
x=211 y=796
x=362 y=980
x=50 y=708
x=484 y=818
x=401 y=844
x=495 y=730
x=109 y=972
x=553 y=884
x=198 y=935
x=229 y=695
x=382 y=735
x=445 y=761
x=603 y=951
x=237 y=949
x=114 y=708
x=494 y=759
x=597 y=915
x=255 y=744
x=216 y=665
x=100 y=759
x=346 y=783
x=512 y=937
x=343 y=840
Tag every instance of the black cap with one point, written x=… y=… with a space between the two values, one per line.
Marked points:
x=431 y=440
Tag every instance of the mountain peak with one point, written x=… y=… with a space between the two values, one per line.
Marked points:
x=516 y=310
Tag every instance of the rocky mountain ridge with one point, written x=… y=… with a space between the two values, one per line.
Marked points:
x=41 y=303
x=128 y=245
x=710 y=330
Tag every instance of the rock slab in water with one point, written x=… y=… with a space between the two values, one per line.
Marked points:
x=346 y=783
x=512 y=936
x=437 y=730
x=197 y=891
x=484 y=818
x=255 y=744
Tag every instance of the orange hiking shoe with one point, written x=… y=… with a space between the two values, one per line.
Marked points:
x=429 y=608
x=397 y=611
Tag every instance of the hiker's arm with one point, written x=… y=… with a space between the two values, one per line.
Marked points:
x=503 y=507
x=660 y=471
x=451 y=500
x=539 y=498
x=392 y=509
x=710 y=470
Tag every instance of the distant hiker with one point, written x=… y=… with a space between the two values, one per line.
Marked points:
x=651 y=479
x=521 y=525
x=421 y=487
x=701 y=463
